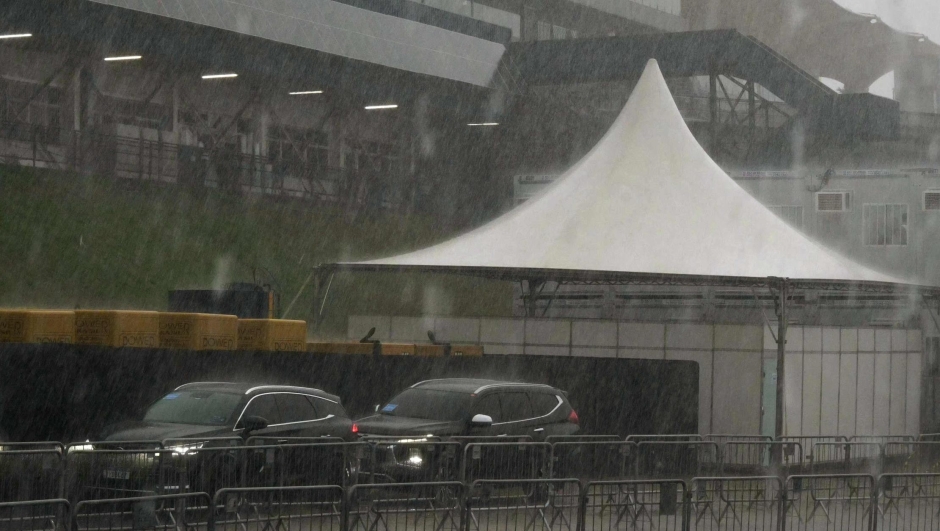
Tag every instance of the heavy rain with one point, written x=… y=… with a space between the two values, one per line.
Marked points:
x=469 y=265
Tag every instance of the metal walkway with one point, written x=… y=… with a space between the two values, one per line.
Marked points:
x=708 y=53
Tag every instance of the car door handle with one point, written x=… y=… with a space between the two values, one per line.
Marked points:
x=539 y=429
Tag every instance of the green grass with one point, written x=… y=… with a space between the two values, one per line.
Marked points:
x=71 y=241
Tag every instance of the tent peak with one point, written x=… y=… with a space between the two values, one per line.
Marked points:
x=645 y=200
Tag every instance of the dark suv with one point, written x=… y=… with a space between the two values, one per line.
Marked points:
x=197 y=441
x=403 y=431
x=212 y=409
x=470 y=407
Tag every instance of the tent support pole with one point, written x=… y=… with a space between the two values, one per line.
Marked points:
x=323 y=291
x=535 y=287
x=782 y=286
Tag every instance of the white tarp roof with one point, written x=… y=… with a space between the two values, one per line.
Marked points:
x=647 y=199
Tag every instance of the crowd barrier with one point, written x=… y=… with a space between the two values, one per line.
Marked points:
x=845 y=502
x=476 y=483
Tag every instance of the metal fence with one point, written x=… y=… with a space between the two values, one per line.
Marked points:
x=763 y=458
x=660 y=505
x=33 y=474
x=845 y=502
x=172 y=512
x=594 y=460
x=44 y=515
x=412 y=460
x=677 y=459
x=552 y=505
x=916 y=456
x=101 y=474
x=721 y=503
x=808 y=443
x=847 y=457
x=909 y=502
x=509 y=460
x=273 y=508
x=405 y=506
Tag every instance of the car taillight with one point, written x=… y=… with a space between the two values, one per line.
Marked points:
x=355 y=428
x=573 y=417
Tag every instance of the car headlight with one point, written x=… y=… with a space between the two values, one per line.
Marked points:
x=183 y=449
x=414 y=457
x=87 y=447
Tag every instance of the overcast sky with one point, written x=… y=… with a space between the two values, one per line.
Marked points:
x=915 y=16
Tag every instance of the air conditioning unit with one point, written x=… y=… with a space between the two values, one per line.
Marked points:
x=932 y=200
x=835 y=201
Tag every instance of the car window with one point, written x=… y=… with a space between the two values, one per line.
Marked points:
x=295 y=408
x=489 y=405
x=325 y=407
x=543 y=403
x=431 y=404
x=194 y=407
x=515 y=406
x=264 y=406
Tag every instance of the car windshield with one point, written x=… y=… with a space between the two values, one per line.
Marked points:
x=429 y=404
x=211 y=408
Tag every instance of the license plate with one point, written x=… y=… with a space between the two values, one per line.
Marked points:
x=111 y=473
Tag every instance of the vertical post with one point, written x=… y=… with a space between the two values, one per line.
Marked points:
x=751 y=104
x=783 y=292
x=531 y=299
x=713 y=111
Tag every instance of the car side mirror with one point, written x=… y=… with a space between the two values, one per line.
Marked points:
x=377 y=406
x=481 y=421
x=253 y=423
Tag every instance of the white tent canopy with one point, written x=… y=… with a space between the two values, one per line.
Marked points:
x=646 y=201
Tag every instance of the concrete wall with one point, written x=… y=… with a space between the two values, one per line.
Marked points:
x=842 y=381
x=852 y=381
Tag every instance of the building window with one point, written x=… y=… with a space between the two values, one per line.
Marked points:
x=42 y=110
x=932 y=200
x=299 y=151
x=836 y=201
x=791 y=214
x=130 y=112
x=885 y=224
x=933 y=355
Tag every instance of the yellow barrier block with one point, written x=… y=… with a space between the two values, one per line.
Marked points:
x=277 y=335
x=322 y=347
x=398 y=349
x=37 y=326
x=466 y=350
x=429 y=351
x=198 y=331
x=116 y=328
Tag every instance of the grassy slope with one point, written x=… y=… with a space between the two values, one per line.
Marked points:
x=68 y=241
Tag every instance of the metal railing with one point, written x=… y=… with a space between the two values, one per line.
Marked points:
x=841 y=501
x=735 y=503
x=677 y=459
x=256 y=509
x=891 y=502
x=44 y=515
x=30 y=474
x=405 y=506
x=170 y=512
x=594 y=460
x=154 y=156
